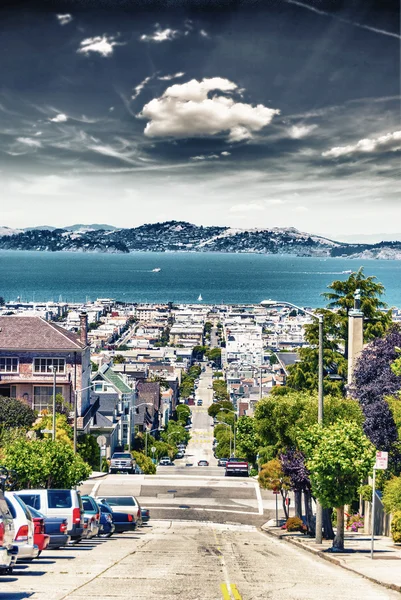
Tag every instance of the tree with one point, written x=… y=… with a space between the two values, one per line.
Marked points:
x=159 y=379
x=271 y=477
x=215 y=408
x=392 y=495
x=175 y=433
x=64 y=431
x=338 y=458
x=224 y=438
x=145 y=463
x=198 y=352
x=208 y=327
x=220 y=390
x=374 y=380
x=214 y=355
x=94 y=367
x=183 y=413
x=247 y=443
x=88 y=449
x=45 y=464
x=15 y=413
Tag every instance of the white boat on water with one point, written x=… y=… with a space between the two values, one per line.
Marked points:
x=347 y=272
x=156 y=270
x=200 y=298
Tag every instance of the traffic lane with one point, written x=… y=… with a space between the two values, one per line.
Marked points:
x=212 y=561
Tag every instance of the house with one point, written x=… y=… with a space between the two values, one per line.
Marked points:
x=36 y=354
x=148 y=403
x=114 y=417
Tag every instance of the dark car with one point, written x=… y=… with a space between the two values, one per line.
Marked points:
x=145 y=515
x=203 y=463
x=106 y=525
x=122 y=521
x=55 y=527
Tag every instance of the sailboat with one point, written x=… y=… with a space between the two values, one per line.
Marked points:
x=157 y=270
x=200 y=298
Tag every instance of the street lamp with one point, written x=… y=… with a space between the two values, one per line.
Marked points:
x=235 y=416
x=146 y=438
x=319 y=510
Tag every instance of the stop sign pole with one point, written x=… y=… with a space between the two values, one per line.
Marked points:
x=381 y=464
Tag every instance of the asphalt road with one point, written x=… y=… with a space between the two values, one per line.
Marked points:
x=203 y=543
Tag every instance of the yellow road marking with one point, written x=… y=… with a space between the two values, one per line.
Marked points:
x=235 y=592
x=225 y=592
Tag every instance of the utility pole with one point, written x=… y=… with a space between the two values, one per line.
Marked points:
x=75 y=420
x=54 y=404
x=319 y=509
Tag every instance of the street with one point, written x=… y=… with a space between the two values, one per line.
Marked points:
x=203 y=542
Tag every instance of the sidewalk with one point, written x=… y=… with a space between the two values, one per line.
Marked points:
x=384 y=569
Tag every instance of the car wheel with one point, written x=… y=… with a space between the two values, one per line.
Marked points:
x=105 y=535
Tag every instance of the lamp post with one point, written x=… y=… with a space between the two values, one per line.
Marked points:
x=146 y=438
x=320 y=414
x=235 y=416
x=54 y=404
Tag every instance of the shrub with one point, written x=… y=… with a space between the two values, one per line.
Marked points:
x=396 y=527
x=365 y=491
x=145 y=463
x=15 y=413
x=295 y=524
x=355 y=522
x=392 y=495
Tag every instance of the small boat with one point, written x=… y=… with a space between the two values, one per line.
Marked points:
x=347 y=272
x=156 y=270
x=200 y=298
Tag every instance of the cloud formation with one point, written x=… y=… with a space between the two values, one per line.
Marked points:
x=102 y=45
x=138 y=89
x=64 y=19
x=60 y=118
x=29 y=142
x=186 y=110
x=205 y=157
x=385 y=143
x=160 y=35
x=300 y=131
x=170 y=77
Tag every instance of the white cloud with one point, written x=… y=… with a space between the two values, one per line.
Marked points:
x=203 y=33
x=205 y=157
x=60 y=118
x=101 y=44
x=29 y=142
x=160 y=35
x=251 y=207
x=138 y=89
x=64 y=19
x=225 y=153
x=170 y=77
x=387 y=142
x=300 y=131
x=185 y=110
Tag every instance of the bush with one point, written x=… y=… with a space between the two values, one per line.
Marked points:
x=145 y=463
x=355 y=522
x=396 y=527
x=15 y=413
x=365 y=491
x=392 y=495
x=295 y=524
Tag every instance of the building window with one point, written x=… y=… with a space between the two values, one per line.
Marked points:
x=8 y=365
x=45 y=365
x=43 y=397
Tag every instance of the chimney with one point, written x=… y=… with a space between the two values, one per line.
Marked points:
x=83 y=322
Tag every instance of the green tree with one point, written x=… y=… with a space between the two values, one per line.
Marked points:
x=175 y=433
x=224 y=438
x=118 y=359
x=45 y=464
x=88 y=449
x=220 y=390
x=15 y=413
x=64 y=431
x=338 y=458
x=392 y=495
x=271 y=477
x=183 y=413
x=247 y=442
x=214 y=355
x=94 y=367
x=215 y=408
x=198 y=352
x=208 y=327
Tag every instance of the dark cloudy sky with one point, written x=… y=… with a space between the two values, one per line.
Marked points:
x=248 y=114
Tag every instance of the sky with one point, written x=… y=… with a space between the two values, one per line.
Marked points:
x=280 y=113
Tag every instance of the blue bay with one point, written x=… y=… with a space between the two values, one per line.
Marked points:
x=220 y=278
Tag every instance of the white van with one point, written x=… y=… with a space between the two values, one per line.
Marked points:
x=58 y=503
x=24 y=528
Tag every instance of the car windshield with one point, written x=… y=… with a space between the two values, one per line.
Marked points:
x=233 y=459
x=121 y=455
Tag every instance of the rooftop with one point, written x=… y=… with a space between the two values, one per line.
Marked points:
x=34 y=333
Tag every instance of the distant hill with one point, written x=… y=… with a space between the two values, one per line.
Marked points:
x=185 y=237
x=78 y=227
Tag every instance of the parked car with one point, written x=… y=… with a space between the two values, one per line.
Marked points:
x=122 y=462
x=124 y=504
x=165 y=461
x=145 y=515
x=237 y=466
x=24 y=528
x=58 y=503
x=222 y=462
x=40 y=537
x=203 y=463
x=121 y=521
x=106 y=526
x=92 y=512
x=55 y=528
x=8 y=549
x=180 y=454
x=199 y=402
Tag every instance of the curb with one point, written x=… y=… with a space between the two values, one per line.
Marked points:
x=330 y=558
x=97 y=477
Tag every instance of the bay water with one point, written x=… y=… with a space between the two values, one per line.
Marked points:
x=183 y=276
